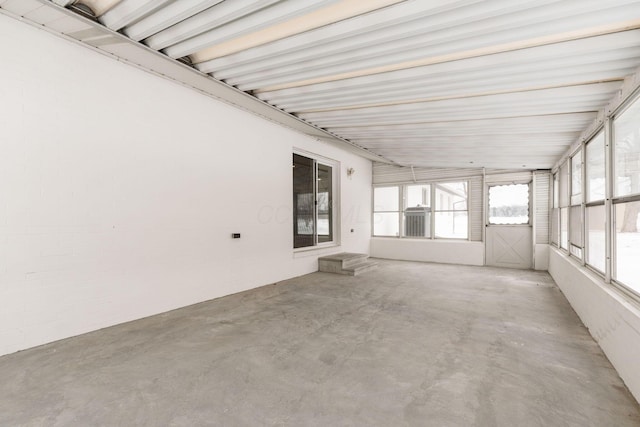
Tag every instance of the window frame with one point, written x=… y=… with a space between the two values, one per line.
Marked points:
x=554 y=220
x=402 y=201
x=606 y=205
x=588 y=203
x=334 y=221
x=613 y=199
x=374 y=211
x=564 y=198
x=529 y=185
x=576 y=204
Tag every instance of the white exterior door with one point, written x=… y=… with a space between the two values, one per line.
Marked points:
x=509 y=236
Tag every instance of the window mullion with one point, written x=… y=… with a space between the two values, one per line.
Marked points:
x=315 y=203
x=609 y=218
x=432 y=215
x=583 y=200
x=401 y=211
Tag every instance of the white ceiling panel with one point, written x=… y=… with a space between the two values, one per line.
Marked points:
x=354 y=54
x=167 y=16
x=445 y=83
x=21 y=7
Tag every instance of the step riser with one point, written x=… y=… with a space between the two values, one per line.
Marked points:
x=330 y=266
x=346 y=264
x=364 y=269
x=354 y=261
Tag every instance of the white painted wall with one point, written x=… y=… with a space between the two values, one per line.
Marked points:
x=119 y=191
x=612 y=319
x=541 y=257
x=443 y=251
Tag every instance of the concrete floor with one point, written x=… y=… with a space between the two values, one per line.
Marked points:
x=409 y=344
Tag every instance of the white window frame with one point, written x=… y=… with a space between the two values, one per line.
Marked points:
x=529 y=184
x=432 y=194
x=335 y=212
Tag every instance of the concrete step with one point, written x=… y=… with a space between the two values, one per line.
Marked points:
x=344 y=259
x=363 y=267
x=345 y=263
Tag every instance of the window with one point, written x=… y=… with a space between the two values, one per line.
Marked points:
x=626 y=201
x=596 y=201
x=627 y=244
x=555 y=231
x=509 y=204
x=595 y=211
x=386 y=216
x=563 y=185
x=323 y=193
x=313 y=216
x=576 y=178
x=556 y=190
x=596 y=251
x=563 y=201
x=555 y=212
x=407 y=210
x=575 y=230
x=627 y=151
x=451 y=217
x=595 y=168
x=564 y=229
x=417 y=211
x=575 y=212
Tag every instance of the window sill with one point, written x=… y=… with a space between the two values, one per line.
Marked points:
x=425 y=239
x=315 y=250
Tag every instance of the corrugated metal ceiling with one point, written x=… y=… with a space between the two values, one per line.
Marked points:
x=446 y=83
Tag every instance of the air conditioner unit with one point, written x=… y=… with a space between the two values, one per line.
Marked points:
x=417 y=222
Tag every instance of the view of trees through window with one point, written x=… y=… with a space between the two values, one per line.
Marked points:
x=509 y=204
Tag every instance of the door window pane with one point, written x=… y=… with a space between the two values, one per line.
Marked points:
x=509 y=204
x=627 y=151
x=627 y=265
x=595 y=168
x=595 y=237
